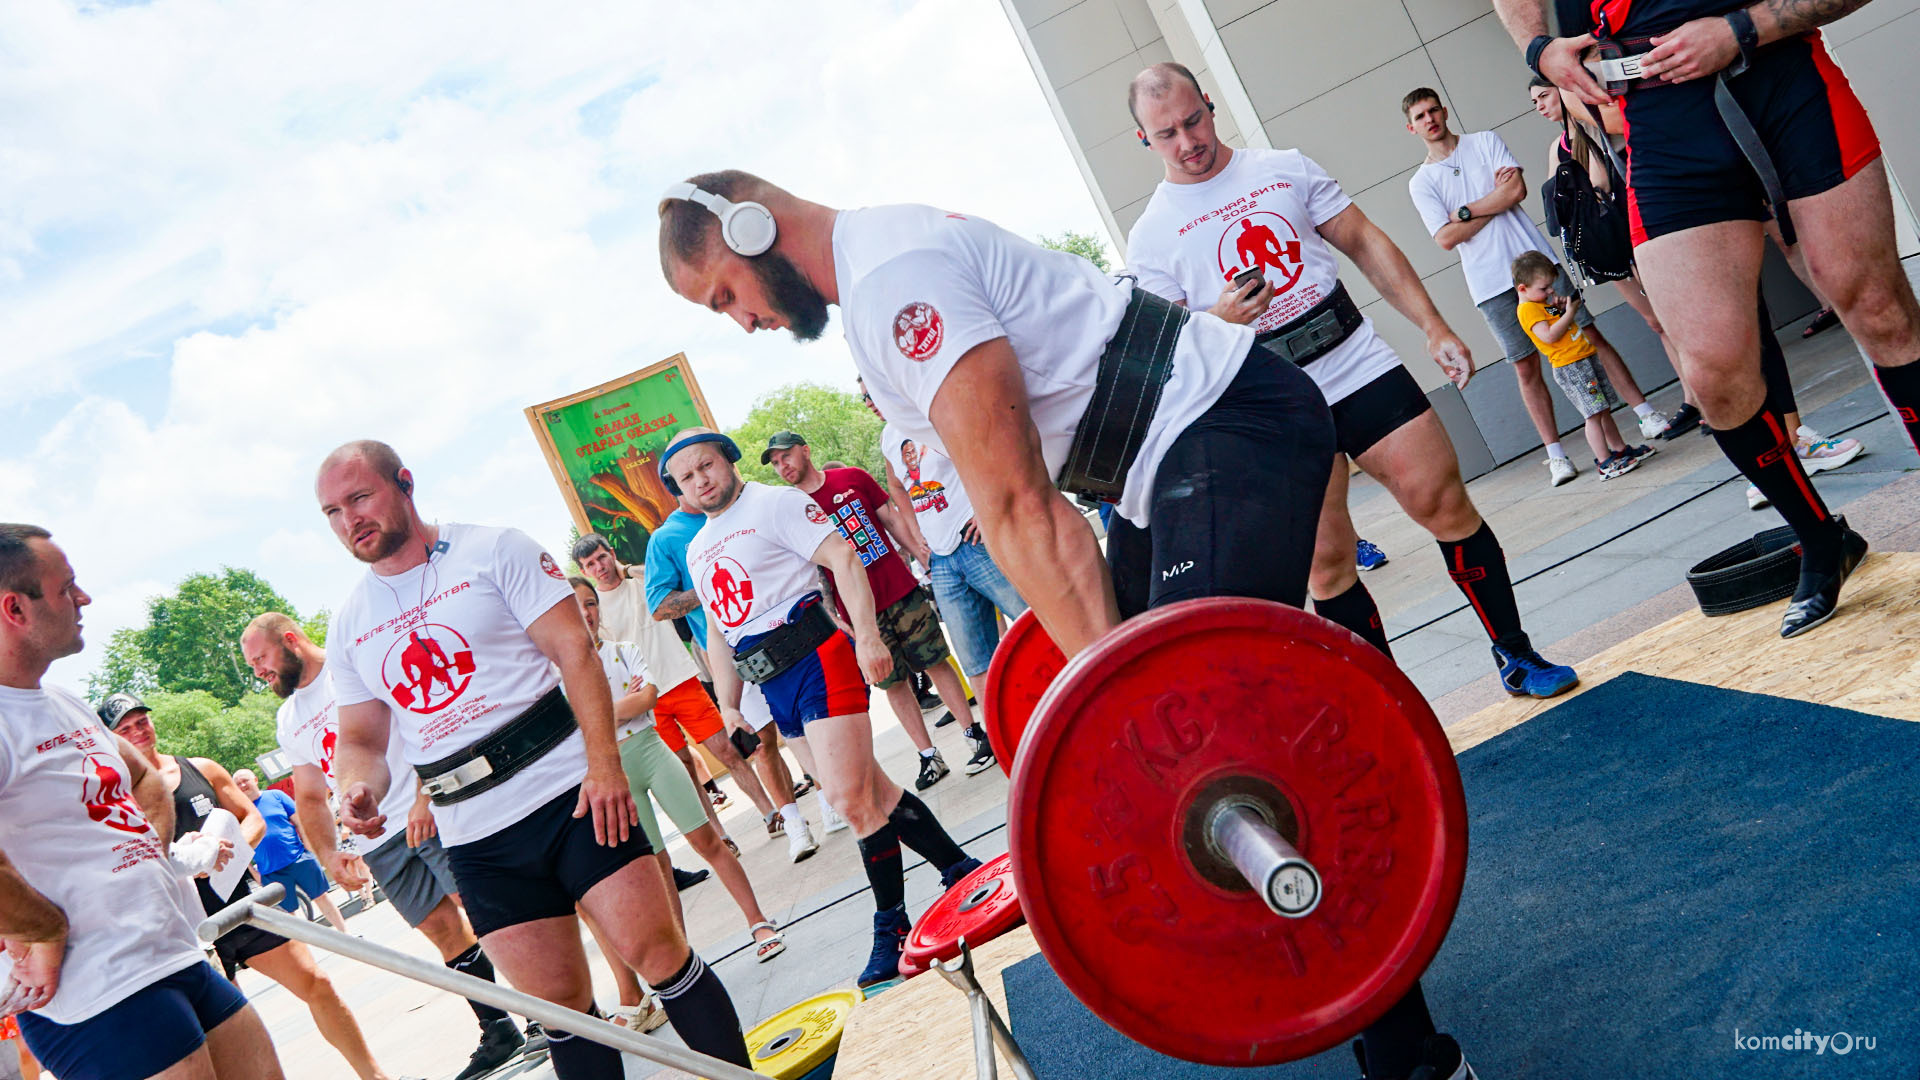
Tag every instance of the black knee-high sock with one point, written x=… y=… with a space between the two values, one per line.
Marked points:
x=1355 y=610
x=880 y=852
x=577 y=1058
x=475 y=963
x=1762 y=448
x=1479 y=568
x=917 y=828
x=701 y=1010
x=1395 y=1042
x=1902 y=386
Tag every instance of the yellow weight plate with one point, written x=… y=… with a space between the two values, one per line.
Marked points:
x=794 y=1041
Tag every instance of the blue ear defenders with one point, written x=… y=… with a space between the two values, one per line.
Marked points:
x=727 y=446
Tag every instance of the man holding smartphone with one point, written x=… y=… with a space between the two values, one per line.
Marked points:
x=1266 y=223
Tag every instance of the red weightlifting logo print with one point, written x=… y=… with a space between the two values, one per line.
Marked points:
x=428 y=669
x=552 y=568
x=108 y=796
x=326 y=751
x=1266 y=240
x=731 y=591
x=918 y=331
x=815 y=514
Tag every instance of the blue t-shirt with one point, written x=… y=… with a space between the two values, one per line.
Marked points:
x=281 y=847
x=667 y=566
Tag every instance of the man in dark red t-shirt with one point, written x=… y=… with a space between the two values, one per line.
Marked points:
x=908 y=621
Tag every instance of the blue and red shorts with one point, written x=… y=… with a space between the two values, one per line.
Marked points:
x=1684 y=170
x=828 y=683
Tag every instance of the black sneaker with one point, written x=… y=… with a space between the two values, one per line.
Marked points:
x=982 y=751
x=687 y=879
x=946 y=717
x=536 y=1047
x=500 y=1042
x=1442 y=1061
x=933 y=769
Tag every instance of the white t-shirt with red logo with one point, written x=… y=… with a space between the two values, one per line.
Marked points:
x=940 y=503
x=1264 y=209
x=445 y=647
x=307 y=726
x=752 y=563
x=919 y=287
x=72 y=829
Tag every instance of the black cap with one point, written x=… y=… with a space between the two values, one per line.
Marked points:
x=117 y=706
x=785 y=440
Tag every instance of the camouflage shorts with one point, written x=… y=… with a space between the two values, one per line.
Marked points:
x=911 y=629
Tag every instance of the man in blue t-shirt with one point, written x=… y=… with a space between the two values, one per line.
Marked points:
x=282 y=854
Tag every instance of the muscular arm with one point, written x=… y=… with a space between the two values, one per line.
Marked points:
x=1384 y=265
x=675 y=605
x=1777 y=19
x=253 y=827
x=856 y=594
x=727 y=684
x=311 y=813
x=360 y=748
x=561 y=636
x=25 y=912
x=1041 y=542
x=149 y=791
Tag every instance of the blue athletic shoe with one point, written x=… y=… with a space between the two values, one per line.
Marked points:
x=951 y=875
x=889 y=937
x=1370 y=557
x=1526 y=674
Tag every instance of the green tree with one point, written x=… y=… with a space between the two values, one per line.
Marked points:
x=1085 y=245
x=195 y=723
x=834 y=422
x=125 y=669
x=193 y=636
x=316 y=627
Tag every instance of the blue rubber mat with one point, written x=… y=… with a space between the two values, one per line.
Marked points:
x=1658 y=869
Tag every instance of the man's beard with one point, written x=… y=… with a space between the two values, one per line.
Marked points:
x=287 y=679
x=723 y=498
x=385 y=543
x=791 y=296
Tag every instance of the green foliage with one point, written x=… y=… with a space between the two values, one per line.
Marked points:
x=126 y=668
x=197 y=724
x=192 y=637
x=316 y=627
x=1085 y=245
x=835 y=423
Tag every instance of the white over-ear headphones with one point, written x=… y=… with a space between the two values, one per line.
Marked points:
x=747 y=227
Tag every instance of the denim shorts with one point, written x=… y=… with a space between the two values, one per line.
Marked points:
x=969 y=588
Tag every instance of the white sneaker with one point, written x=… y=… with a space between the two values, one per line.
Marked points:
x=830 y=819
x=1654 y=424
x=800 y=841
x=1818 y=453
x=1755 y=500
x=1561 y=470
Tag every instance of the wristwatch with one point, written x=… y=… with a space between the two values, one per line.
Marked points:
x=1465 y=213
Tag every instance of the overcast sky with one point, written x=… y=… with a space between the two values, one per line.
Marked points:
x=236 y=234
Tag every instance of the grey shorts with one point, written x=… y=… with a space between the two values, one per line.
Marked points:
x=1586 y=387
x=1503 y=319
x=415 y=879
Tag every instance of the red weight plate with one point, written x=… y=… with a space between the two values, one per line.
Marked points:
x=980 y=907
x=1149 y=725
x=1023 y=667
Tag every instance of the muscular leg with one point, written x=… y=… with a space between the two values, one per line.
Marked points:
x=446 y=926
x=292 y=966
x=861 y=790
x=721 y=747
x=545 y=958
x=803 y=753
x=1417 y=466
x=1334 y=571
x=625 y=983
x=1533 y=394
x=1634 y=293
x=906 y=708
x=238 y=1048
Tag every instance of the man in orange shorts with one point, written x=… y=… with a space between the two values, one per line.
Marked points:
x=624 y=616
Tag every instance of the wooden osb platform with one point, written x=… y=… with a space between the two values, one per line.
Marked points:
x=1867 y=658
x=922 y=1028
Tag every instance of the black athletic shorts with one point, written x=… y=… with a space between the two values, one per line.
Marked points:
x=1377 y=410
x=1684 y=170
x=1236 y=502
x=537 y=867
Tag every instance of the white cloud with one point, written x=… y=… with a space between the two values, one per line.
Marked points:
x=236 y=235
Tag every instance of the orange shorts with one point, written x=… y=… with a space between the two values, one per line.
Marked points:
x=686 y=708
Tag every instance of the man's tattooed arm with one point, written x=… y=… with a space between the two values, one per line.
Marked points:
x=1777 y=19
x=675 y=605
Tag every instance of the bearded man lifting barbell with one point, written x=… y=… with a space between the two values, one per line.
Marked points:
x=1037 y=374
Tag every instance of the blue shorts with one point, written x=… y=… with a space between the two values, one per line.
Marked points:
x=303 y=873
x=146 y=1032
x=828 y=683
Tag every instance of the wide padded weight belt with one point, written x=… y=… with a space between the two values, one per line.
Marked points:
x=1134 y=369
x=493 y=760
x=788 y=645
x=1752 y=572
x=1319 y=331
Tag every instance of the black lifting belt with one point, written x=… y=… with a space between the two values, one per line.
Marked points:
x=1134 y=368
x=786 y=646
x=1317 y=332
x=493 y=760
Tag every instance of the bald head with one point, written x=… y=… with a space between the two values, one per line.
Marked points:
x=1159 y=81
x=384 y=460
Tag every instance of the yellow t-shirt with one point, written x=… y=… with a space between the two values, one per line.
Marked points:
x=1574 y=346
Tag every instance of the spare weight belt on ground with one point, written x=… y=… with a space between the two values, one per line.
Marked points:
x=1134 y=368
x=493 y=760
x=1753 y=572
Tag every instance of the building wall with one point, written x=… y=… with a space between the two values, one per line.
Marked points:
x=1328 y=78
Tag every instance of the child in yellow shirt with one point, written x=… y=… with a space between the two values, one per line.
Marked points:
x=1549 y=322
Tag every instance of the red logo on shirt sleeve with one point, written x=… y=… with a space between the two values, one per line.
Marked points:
x=552 y=568
x=918 y=331
x=815 y=514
